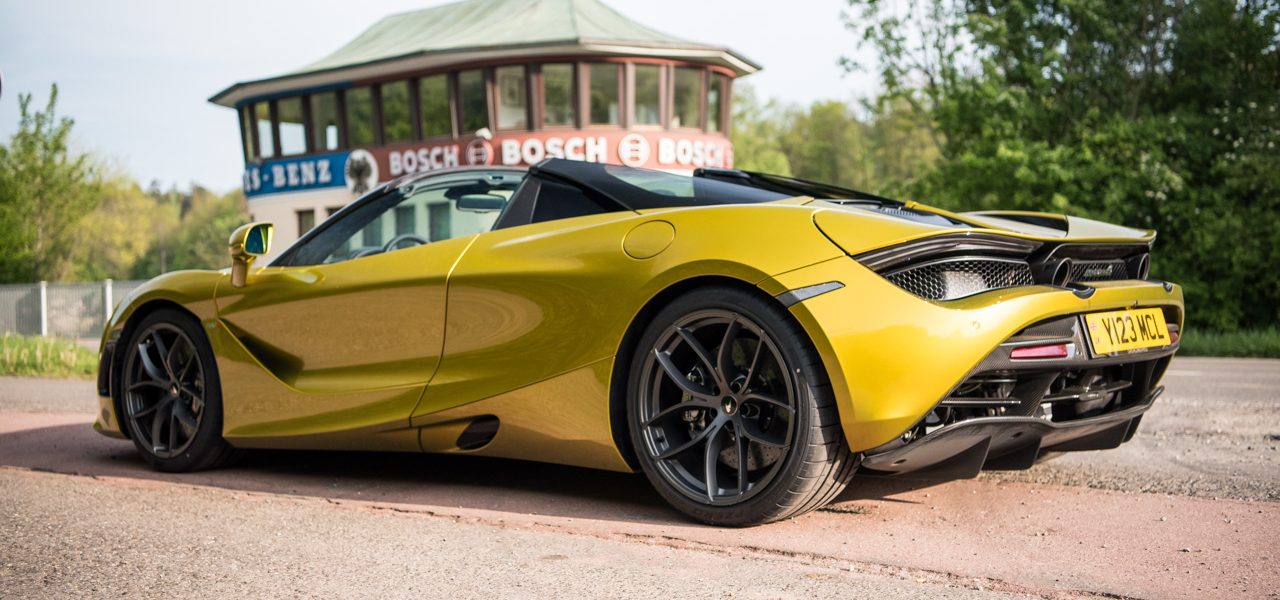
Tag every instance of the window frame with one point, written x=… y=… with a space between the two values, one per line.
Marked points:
x=249 y=142
x=299 y=214
x=726 y=92
x=415 y=128
x=306 y=125
x=314 y=144
x=584 y=94
x=455 y=88
x=699 y=94
x=450 y=107
x=574 y=97
x=663 y=102
x=252 y=109
x=495 y=98
x=375 y=116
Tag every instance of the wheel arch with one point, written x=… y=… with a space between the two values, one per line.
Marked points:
x=627 y=348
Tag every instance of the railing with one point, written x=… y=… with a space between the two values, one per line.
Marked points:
x=68 y=310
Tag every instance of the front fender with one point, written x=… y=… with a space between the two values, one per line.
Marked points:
x=192 y=291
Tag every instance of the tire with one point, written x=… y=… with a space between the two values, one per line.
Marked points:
x=766 y=398
x=170 y=396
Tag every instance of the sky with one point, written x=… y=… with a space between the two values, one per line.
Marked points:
x=136 y=74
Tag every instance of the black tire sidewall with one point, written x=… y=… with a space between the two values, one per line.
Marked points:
x=208 y=445
x=800 y=358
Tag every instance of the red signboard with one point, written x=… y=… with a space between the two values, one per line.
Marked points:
x=654 y=150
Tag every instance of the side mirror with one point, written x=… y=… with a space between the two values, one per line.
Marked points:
x=481 y=202
x=246 y=244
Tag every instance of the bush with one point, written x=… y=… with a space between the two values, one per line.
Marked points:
x=1263 y=343
x=45 y=357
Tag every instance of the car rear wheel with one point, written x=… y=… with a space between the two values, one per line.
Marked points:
x=170 y=396
x=731 y=412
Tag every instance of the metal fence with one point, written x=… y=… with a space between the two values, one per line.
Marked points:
x=68 y=310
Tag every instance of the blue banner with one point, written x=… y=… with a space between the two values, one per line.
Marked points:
x=296 y=174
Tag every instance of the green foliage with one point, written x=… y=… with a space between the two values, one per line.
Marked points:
x=1153 y=114
x=830 y=142
x=45 y=190
x=189 y=230
x=62 y=217
x=756 y=133
x=1260 y=343
x=115 y=235
x=45 y=357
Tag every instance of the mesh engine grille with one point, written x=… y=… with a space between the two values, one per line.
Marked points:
x=1098 y=270
x=948 y=280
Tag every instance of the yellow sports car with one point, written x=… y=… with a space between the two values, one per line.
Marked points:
x=748 y=341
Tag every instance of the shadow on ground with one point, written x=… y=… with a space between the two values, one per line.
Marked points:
x=424 y=480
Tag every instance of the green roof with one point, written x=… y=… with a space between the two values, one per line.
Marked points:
x=483 y=29
x=492 y=23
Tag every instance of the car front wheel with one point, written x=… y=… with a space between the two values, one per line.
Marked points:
x=170 y=396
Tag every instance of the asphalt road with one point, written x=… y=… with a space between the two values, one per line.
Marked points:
x=1187 y=509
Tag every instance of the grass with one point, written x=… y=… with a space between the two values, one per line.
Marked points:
x=45 y=357
x=1263 y=343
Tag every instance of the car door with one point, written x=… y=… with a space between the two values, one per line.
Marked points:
x=352 y=317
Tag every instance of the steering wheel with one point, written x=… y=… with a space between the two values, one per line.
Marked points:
x=399 y=242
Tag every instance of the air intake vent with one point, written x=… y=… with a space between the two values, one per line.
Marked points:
x=960 y=277
x=479 y=433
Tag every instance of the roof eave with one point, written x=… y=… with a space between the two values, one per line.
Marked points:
x=240 y=91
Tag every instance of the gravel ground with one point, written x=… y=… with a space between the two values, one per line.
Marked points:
x=1215 y=433
x=69 y=536
x=30 y=395
x=351 y=524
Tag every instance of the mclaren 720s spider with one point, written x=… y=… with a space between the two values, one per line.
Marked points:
x=748 y=341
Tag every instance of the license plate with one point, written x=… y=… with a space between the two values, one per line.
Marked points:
x=1124 y=330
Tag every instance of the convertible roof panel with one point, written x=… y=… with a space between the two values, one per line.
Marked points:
x=642 y=189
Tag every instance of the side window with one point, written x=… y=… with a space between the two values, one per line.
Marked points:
x=397 y=220
x=561 y=201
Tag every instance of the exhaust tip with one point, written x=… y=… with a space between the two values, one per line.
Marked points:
x=1062 y=272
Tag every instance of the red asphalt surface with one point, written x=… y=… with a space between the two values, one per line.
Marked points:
x=1040 y=539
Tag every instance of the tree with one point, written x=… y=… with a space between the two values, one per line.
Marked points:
x=113 y=237
x=1153 y=114
x=45 y=191
x=190 y=229
x=827 y=143
x=756 y=129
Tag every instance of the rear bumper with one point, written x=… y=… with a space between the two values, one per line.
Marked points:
x=892 y=357
x=963 y=449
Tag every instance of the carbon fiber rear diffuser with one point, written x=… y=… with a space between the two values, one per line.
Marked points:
x=962 y=450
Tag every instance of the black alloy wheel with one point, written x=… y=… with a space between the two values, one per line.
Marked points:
x=170 y=397
x=718 y=407
x=728 y=404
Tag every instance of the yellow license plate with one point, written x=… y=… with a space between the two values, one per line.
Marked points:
x=1125 y=330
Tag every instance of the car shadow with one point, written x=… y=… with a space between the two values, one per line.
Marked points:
x=468 y=482
x=422 y=480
